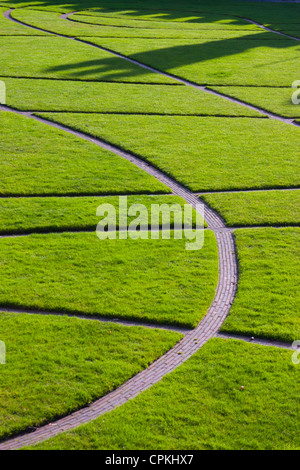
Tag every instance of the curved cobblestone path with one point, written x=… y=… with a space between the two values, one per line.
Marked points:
x=193 y=340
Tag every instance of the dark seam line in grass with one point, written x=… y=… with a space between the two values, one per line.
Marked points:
x=163 y=29
x=233 y=85
x=21 y=77
x=246 y=190
x=189 y=83
x=92 y=228
x=192 y=341
x=253 y=340
x=171 y=76
x=24 y=77
x=82 y=195
x=23 y=35
x=146 y=114
x=172 y=38
x=82 y=316
x=233 y=227
x=79 y=12
x=189 y=345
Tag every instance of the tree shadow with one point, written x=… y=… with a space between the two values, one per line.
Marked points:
x=172 y=57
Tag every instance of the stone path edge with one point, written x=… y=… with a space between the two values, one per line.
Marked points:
x=192 y=341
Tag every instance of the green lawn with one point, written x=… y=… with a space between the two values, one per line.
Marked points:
x=25 y=214
x=206 y=21
x=267 y=300
x=276 y=100
x=257 y=207
x=201 y=406
x=148 y=280
x=204 y=153
x=56 y=365
x=229 y=61
x=7 y=28
x=55 y=57
x=52 y=181
x=39 y=160
x=105 y=26
x=61 y=95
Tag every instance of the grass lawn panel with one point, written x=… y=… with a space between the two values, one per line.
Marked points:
x=37 y=159
x=147 y=280
x=8 y=28
x=26 y=214
x=56 y=365
x=56 y=57
x=231 y=61
x=60 y=95
x=204 y=153
x=201 y=406
x=267 y=300
x=275 y=100
x=115 y=27
x=210 y=22
x=257 y=207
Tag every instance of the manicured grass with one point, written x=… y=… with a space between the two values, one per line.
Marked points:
x=202 y=406
x=56 y=365
x=267 y=300
x=8 y=28
x=60 y=95
x=205 y=21
x=276 y=100
x=55 y=57
x=25 y=215
x=204 y=153
x=105 y=26
x=149 y=280
x=257 y=207
x=231 y=61
x=38 y=160
x=227 y=14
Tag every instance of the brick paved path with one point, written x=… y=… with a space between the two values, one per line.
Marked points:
x=193 y=340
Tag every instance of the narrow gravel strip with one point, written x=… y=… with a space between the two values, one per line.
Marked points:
x=265 y=28
x=261 y=341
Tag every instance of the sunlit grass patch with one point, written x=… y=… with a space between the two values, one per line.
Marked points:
x=201 y=405
x=37 y=159
x=204 y=153
x=267 y=300
x=257 y=207
x=149 y=280
x=56 y=365
x=26 y=214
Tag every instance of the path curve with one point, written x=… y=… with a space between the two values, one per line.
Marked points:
x=194 y=340
x=183 y=350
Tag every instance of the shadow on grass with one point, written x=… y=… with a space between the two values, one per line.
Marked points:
x=169 y=58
